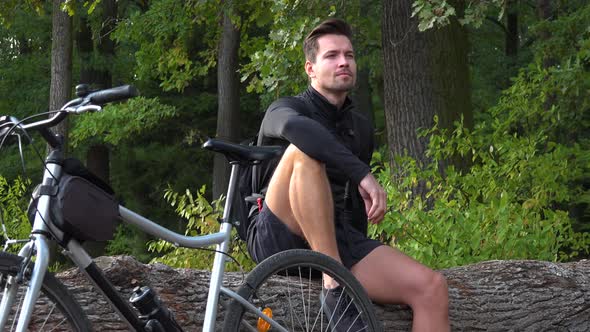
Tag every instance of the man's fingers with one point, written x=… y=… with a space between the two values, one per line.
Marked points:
x=377 y=212
x=378 y=206
x=375 y=198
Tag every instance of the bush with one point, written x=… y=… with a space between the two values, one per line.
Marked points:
x=202 y=218
x=525 y=193
x=13 y=202
x=510 y=204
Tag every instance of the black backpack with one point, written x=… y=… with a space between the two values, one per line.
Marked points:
x=249 y=196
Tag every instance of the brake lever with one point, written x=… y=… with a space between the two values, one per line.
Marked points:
x=21 y=154
x=84 y=109
x=8 y=124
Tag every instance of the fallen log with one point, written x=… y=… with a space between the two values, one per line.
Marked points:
x=491 y=296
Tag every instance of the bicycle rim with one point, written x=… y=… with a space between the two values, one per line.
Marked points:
x=290 y=285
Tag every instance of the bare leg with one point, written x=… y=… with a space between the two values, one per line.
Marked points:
x=299 y=195
x=389 y=276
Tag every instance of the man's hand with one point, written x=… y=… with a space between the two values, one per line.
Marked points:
x=374 y=197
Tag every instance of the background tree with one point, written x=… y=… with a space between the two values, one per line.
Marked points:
x=96 y=52
x=425 y=74
x=228 y=87
x=61 y=62
x=526 y=164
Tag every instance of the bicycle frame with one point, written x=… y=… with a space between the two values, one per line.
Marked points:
x=43 y=230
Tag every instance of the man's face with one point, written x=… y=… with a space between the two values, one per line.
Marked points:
x=334 y=69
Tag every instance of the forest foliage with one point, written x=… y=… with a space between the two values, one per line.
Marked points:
x=525 y=190
x=521 y=192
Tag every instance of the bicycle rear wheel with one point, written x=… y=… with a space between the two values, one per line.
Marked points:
x=55 y=309
x=289 y=284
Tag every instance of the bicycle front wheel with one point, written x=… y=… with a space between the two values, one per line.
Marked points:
x=55 y=309
x=289 y=285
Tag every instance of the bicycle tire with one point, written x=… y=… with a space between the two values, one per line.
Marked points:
x=290 y=261
x=55 y=310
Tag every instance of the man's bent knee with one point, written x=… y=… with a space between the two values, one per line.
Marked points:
x=435 y=291
x=302 y=161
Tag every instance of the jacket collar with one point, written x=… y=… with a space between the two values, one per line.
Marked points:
x=328 y=109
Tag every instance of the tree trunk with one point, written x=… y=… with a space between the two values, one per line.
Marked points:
x=98 y=155
x=491 y=296
x=85 y=47
x=545 y=12
x=61 y=63
x=228 y=86
x=425 y=74
x=512 y=34
x=363 y=95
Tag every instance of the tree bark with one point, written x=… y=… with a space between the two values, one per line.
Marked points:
x=98 y=42
x=545 y=12
x=512 y=34
x=545 y=9
x=363 y=95
x=228 y=86
x=491 y=296
x=363 y=90
x=61 y=63
x=98 y=155
x=85 y=48
x=425 y=74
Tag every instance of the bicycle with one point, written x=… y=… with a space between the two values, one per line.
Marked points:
x=25 y=276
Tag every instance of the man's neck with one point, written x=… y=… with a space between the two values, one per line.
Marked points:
x=335 y=98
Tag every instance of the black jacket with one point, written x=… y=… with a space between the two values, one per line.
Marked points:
x=341 y=139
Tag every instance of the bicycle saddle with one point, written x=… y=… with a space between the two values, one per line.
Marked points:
x=243 y=153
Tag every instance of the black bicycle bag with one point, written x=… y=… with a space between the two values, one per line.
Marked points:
x=83 y=206
x=83 y=210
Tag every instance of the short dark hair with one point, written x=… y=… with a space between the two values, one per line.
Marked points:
x=332 y=26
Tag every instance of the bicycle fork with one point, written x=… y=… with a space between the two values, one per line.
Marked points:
x=39 y=247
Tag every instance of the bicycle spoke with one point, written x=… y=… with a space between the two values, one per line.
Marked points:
x=17 y=311
x=47 y=318
x=302 y=298
x=309 y=298
x=320 y=315
x=312 y=309
x=289 y=299
x=58 y=325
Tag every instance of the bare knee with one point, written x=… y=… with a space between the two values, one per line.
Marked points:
x=439 y=284
x=303 y=162
x=434 y=291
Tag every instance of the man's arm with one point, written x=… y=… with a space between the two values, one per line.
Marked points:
x=313 y=139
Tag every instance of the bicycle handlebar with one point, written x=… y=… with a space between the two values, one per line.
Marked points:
x=90 y=102
x=110 y=95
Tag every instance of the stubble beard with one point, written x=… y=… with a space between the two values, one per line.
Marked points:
x=345 y=86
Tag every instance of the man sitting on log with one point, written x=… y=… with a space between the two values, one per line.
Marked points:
x=321 y=192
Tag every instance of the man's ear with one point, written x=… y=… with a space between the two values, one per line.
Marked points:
x=309 y=69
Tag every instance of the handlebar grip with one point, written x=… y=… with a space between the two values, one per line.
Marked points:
x=110 y=95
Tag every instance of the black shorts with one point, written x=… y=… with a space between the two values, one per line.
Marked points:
x=268 y=235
